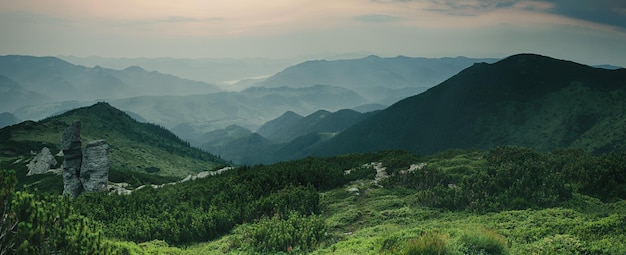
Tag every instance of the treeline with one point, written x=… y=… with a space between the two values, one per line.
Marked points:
x=518 y=178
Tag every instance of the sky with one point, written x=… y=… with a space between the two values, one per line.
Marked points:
x=585 y=31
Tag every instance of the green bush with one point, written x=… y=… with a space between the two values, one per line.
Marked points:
x=44 y=224
x=558 y=245
x=427 y=244
x=484 y=242
x=282 y=233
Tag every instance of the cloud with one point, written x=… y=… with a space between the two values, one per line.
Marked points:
x=607 y=12
x=377 y=18
x=469 y=8
x=177 y=19
x=183 y=19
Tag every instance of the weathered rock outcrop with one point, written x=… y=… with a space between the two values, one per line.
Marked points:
x=73 y=155
x=41 y=163
x=83 y=172
x=94 y=172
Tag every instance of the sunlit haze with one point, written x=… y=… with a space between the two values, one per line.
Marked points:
x=587 y=31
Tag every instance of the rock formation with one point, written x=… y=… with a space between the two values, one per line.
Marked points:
x=41 y=163
x=94 y=172
x=83 y=172
x=73 y=155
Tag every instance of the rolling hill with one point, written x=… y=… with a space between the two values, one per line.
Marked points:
x=135 y=146
x=381 y=80
x=526 y=100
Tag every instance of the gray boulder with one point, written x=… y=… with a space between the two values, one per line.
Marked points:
x=94 y=171
x=41 y=162
x=71 y=146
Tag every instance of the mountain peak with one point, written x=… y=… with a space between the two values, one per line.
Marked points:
x=135 y=69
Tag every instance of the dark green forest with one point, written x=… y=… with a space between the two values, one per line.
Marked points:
x=288 y=206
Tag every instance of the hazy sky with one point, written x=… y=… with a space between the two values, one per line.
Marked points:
x=587 y=31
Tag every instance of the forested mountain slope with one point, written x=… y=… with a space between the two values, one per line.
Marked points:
x=135 y=146
x=525 y=99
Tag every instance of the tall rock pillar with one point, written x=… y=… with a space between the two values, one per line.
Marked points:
x=72 y=151
x=94 y=172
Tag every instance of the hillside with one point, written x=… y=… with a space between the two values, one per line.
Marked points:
x=382 y=80
x=62 y=80
x=525 y=99
x=135 y=147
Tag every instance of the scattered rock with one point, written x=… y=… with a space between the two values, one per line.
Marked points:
x=205 y=174
x=413 y=167
x=41 y=163
x=354 y=190
x=119 y=188
x=94 y=171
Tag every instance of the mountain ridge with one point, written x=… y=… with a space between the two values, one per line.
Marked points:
x=62 y=80
x=380 y=80
x=495 y=104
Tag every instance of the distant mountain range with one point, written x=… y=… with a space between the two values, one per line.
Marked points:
x=224 y=71
x=287 y=137
x=380 y=80
x=190 y=116
x=290 y=125
x=62 y=81
x=166 y=100
x=138 y=147
x=526 y=100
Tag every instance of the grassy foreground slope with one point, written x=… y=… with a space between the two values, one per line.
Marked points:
x=408 y=215
x=508 y=200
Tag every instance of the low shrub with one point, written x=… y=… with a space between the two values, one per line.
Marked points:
x=557 y=245
x=483 y=242
x=282 y=233
x=426 y=244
